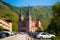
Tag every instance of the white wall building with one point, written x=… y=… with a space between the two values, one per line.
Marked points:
x=6 y=24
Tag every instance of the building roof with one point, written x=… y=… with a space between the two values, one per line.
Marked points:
x=6 y=20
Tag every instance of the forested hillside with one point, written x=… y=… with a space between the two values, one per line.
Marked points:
x=42 y=13
x=7 y=12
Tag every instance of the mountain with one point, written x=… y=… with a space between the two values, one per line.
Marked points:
x=8 y=11
x=42 y=13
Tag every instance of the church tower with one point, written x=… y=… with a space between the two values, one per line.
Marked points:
x=29 y=20
x=27 y=25
x=20 y=20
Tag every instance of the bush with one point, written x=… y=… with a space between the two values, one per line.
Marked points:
x=56 y=38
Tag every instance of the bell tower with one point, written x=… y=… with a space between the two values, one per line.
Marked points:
x=20 y=20
x=29 y=20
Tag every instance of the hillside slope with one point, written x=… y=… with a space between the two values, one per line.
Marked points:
x=42 y=13
x=6 y=12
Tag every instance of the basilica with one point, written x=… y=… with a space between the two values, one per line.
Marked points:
x=27 y=24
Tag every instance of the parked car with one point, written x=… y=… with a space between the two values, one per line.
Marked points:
x=14 y=33
x=44 y=35
x=10 y=33
x=30 y=33
x=3 y=34
x=22 y=33
x=35 y=33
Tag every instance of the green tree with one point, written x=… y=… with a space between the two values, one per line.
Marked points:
x=56 y=9
x=55 y=23
x=39 y=30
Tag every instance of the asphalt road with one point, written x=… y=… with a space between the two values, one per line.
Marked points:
x=16 y=37
x=20 y=37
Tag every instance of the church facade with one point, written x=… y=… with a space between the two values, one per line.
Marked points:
x=27 y=24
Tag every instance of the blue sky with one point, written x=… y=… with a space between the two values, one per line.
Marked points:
x=31 y=2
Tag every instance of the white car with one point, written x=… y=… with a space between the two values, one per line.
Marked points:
x=10 y=33
x=44 y=35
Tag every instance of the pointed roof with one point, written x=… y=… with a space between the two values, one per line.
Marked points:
x=28 y=13
x=20 y=12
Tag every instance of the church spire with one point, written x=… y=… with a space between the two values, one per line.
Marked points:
x=29 y=20
x=20 y=15
x=20 y=12
x=29 y=14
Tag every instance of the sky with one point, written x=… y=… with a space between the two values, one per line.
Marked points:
x=32 y=2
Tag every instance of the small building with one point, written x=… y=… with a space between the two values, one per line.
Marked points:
x=27 y=24
x=6 y=24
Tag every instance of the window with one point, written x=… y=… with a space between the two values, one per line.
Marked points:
x=43 y=34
